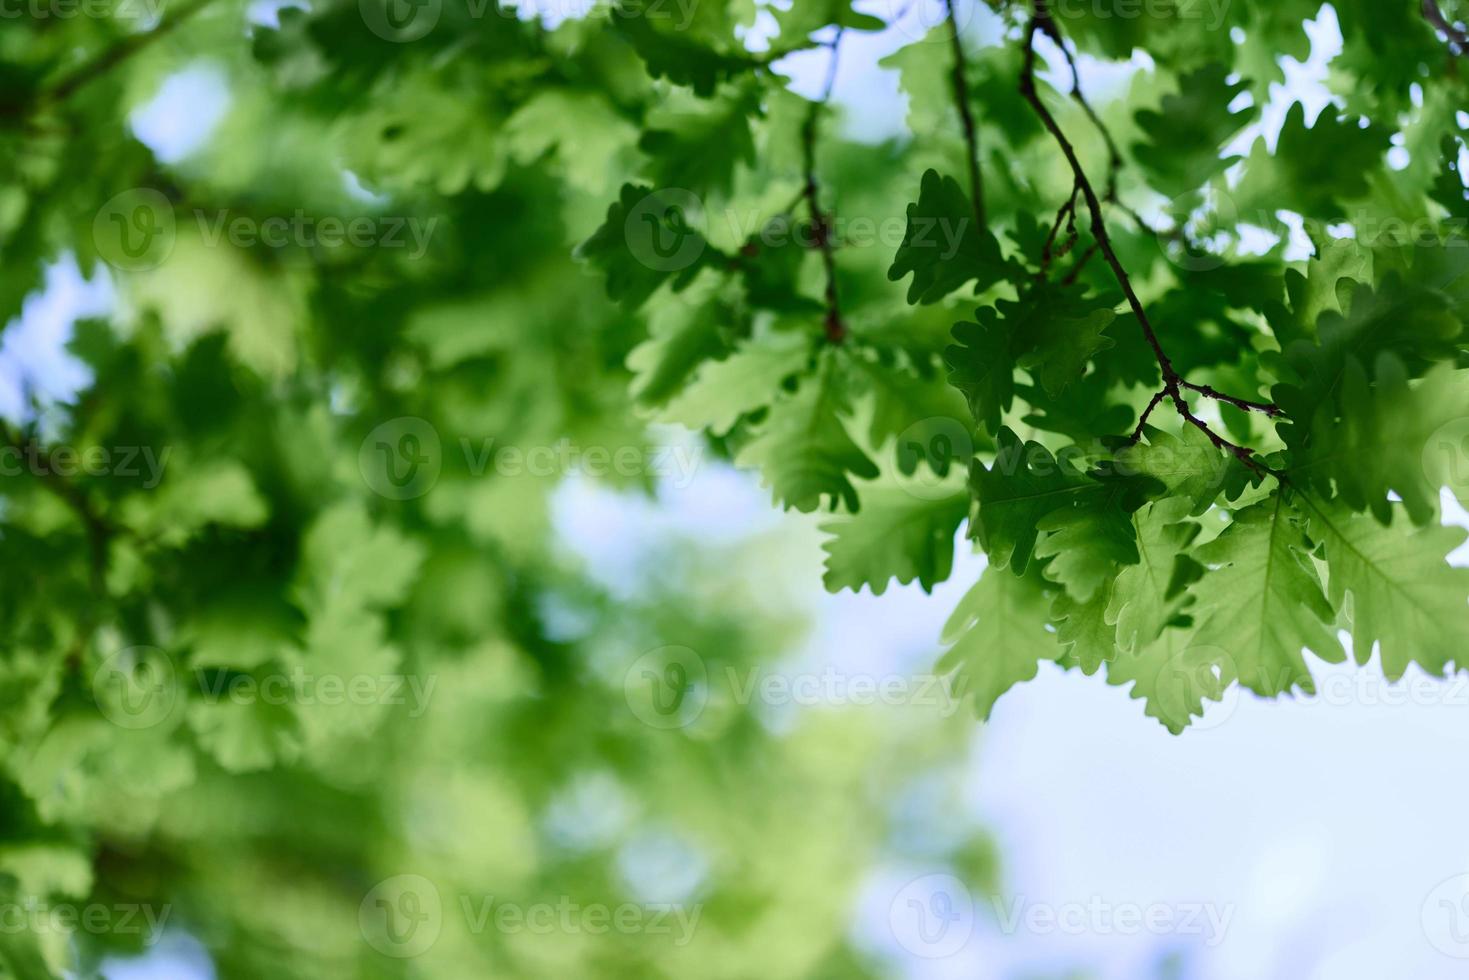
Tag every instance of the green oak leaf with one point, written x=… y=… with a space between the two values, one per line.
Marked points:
x=1151 y=593
x=1313 y=169
x=1377 y=443
x=1028 y=491
x=998 y=636
x=1174 y=675
x=1187 y=464
x=801 y=20
x=685 y=332
x=1089 y=537
x=1262 y=600
x=1186 y=133
x=1405 y=596
x=803 y=450
x=643 y=229
x=982 y=367
x=943 y=247
x=699 y=55
x=1064 y=345
x=1087 y=639
x=896 y=535
x=722 y=392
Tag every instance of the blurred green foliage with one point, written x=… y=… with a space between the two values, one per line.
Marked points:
x=289 y=644
x=282 y=536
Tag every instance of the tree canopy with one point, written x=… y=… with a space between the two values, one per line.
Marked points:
x=1177 y=351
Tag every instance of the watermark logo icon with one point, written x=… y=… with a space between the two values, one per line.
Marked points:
x=663 y=230
x=1198 y=675
x=929 y=20
x=401 y=459
x=1215 y=209
x=402 y=916
x=136 y=687
x=1446 y=917
x=400 y=21
x=930 y=452
x=1445 y=457
x=932 y=917
x=135 y=231
x=667 y=688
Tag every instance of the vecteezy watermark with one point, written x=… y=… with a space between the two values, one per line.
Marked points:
x=1099 y=917
x=1194 y=679
x=1210 y=13
x=933 y=454
x=302 y=230
x=303 y=687
x=128 y=462
x=1360 y=688
x=932 y=917
x=669 y=687
x=1217 y=212
x=403 y=916
x=136 y=687
x=139 y=687
x=566 y=916
x=1163 y=458
x=928 y=20
x=401 y=21
x=142 y=10
x=138 y=229
x=668 y=230
x=1198 y=676
x=135 y=230
x=1445 y=917
x=402 y=459
x=39 y=918
x=1445 y=457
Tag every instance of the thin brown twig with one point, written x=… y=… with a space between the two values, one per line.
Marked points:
x=1094 y=204
x=1458 y=38
x=1065 y=212
x=98 y=66
x=966 y=116
x=821 y=231
x=1143 y=420
x=1245 y=455
x=1080 y=266
x=1173 y=382
x=1242 y=404
x=1114 y=155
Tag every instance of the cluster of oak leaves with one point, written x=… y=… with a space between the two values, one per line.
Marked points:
x=1179 y=552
